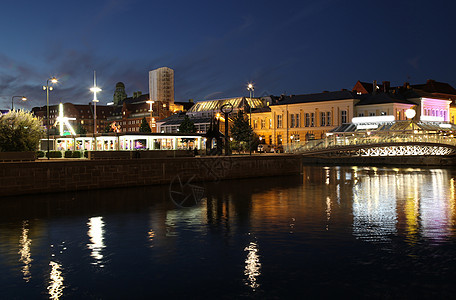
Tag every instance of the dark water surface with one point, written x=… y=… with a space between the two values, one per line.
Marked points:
x=331 y=232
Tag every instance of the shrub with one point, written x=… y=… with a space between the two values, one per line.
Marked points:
x=20 y=131
x=39 y=154
x=76 y=154
x=68 y=154
x=86 y=154
x=54 y=154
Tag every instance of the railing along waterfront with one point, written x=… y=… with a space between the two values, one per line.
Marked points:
x=345 y=140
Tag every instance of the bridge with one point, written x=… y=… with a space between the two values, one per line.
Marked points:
x=413 y=139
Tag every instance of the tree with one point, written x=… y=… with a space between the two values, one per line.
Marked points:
x=241 y=131
x=20 y=131
x=81 y=129
x=144 y=126
x=108 y=128
x=187 y=126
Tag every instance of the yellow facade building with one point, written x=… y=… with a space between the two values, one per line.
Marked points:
x=299 y=118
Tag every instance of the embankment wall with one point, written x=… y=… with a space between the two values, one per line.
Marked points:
x=44 y=176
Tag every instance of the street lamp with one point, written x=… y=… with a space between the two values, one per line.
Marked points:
x=48 y=88
x=251 y=89
x=150 y=102
x=12 y=98
x=95 y=90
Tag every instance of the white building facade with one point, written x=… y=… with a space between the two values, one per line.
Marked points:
x=161 y=86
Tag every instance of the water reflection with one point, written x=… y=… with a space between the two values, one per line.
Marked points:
x=374 y=208
x=434 y=207
x=328 y=211
x=95 y=233
x=24 y=251
x=425 y=199
x=55 y=287
x=306 y=226
x=252 y=265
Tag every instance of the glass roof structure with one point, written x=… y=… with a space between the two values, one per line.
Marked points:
x=215 y=105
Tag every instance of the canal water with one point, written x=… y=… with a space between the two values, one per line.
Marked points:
x=330 y=232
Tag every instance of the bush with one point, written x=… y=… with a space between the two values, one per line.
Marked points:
x=76 y=154
x=39 y=154
x=19 y=131
x=68 y=154
x=54 y=154
x=86 y=154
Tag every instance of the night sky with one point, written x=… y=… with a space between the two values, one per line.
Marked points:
x=216 y=47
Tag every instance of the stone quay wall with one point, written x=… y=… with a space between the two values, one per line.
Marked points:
x=60 y=175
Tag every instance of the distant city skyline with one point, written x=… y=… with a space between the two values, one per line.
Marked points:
x=215 y=49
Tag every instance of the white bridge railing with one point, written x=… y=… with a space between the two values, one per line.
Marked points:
x=336 y=141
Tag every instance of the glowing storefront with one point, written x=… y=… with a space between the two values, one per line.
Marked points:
x=125 y=141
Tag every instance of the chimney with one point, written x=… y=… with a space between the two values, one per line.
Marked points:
x=386 y=86
x=374 y=87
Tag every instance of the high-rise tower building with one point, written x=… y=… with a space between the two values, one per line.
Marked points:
x=161 y=86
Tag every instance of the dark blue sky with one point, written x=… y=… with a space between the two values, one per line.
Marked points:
x=216 y=47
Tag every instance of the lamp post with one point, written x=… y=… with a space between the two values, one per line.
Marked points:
x=150 y=102
x=251 y=89
x=48 y=88
x=226 y=109
x=12 y=100
x=95 y=90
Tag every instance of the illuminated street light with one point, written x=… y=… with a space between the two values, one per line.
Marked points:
x=48 y=88
x=95 y=90
x=410 y=113
x=12 y=98
x=251 y=89
x=150 y=102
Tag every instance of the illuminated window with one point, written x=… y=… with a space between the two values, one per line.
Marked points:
x=255 y=124
x=270 y=123
x=279 y=121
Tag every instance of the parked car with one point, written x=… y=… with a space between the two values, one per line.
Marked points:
x=264 y=148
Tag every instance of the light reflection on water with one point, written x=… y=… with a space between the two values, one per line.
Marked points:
x=55 y=287
x=24 y=250
x=309 y=232
x=424 y=199
x=252 y=265
x=96 y=245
